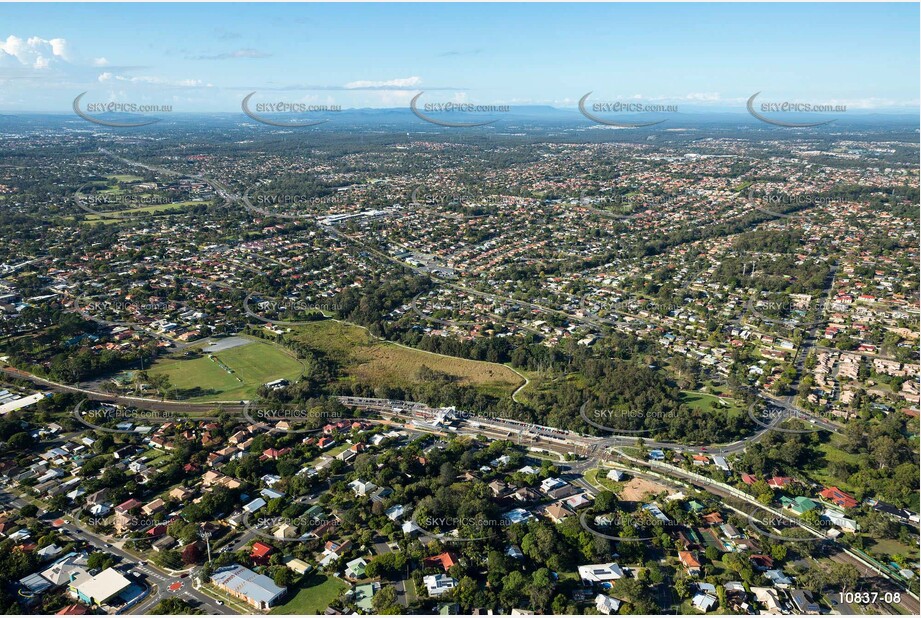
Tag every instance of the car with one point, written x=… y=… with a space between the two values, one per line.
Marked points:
x=136 y=574
x=108 y=545
x=220 y=602
x=183 y=575
x=142 y=562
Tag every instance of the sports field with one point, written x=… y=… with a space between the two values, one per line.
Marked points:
x=228 y=375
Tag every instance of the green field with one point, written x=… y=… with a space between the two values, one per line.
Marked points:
x=118 y=215
x=369 y=360
x=203 y=379
x=312 y=596
x=703 y=401
x=598 y=478
x=124 y=178
x=831 y=453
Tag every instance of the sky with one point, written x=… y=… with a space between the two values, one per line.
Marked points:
x=207 y=57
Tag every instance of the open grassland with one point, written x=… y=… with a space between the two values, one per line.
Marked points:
x=375 y=362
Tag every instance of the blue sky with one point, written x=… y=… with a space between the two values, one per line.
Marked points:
x=206 y=57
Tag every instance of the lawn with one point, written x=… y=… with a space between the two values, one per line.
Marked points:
x=312 y=596
x=598 y=478
x=831 y=453
x=889 y=547
x=703 y=401
x=254 y=364
x=372 y=361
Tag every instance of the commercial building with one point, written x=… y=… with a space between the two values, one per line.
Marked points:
x=255 y=589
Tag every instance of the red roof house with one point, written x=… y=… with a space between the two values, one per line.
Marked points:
x=835 y=495
x=261 y=553
x=445 y=561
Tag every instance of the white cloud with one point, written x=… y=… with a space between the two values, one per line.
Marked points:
x=34 y=52
x=148 y=79
x=397 y=84
x=100 y=62
x=247 y=52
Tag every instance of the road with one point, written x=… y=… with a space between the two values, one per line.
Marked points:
x=873 y=579
x=527 y=431
x=546 y=438
x=154 y=577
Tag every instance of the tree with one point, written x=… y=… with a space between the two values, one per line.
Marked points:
x=100 y=561
x=541 y=589
x=605 y=502
x=385 y=601
x=682 y=588
x=283 y=577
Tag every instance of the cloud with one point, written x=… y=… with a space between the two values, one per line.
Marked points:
x=100 y=62
x=455 y=52
x=108 y=78
x=34 y=52
x=233 y=55
x=404 y=83
x=226 y=35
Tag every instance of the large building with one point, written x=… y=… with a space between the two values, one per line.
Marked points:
x=242 y=583
x=99 y=588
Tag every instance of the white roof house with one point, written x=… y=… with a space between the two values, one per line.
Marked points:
x=436 y=585
x=704 y=602
x=596 y=573
x=607 y=605
x=254 y=506
x=516 y=516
